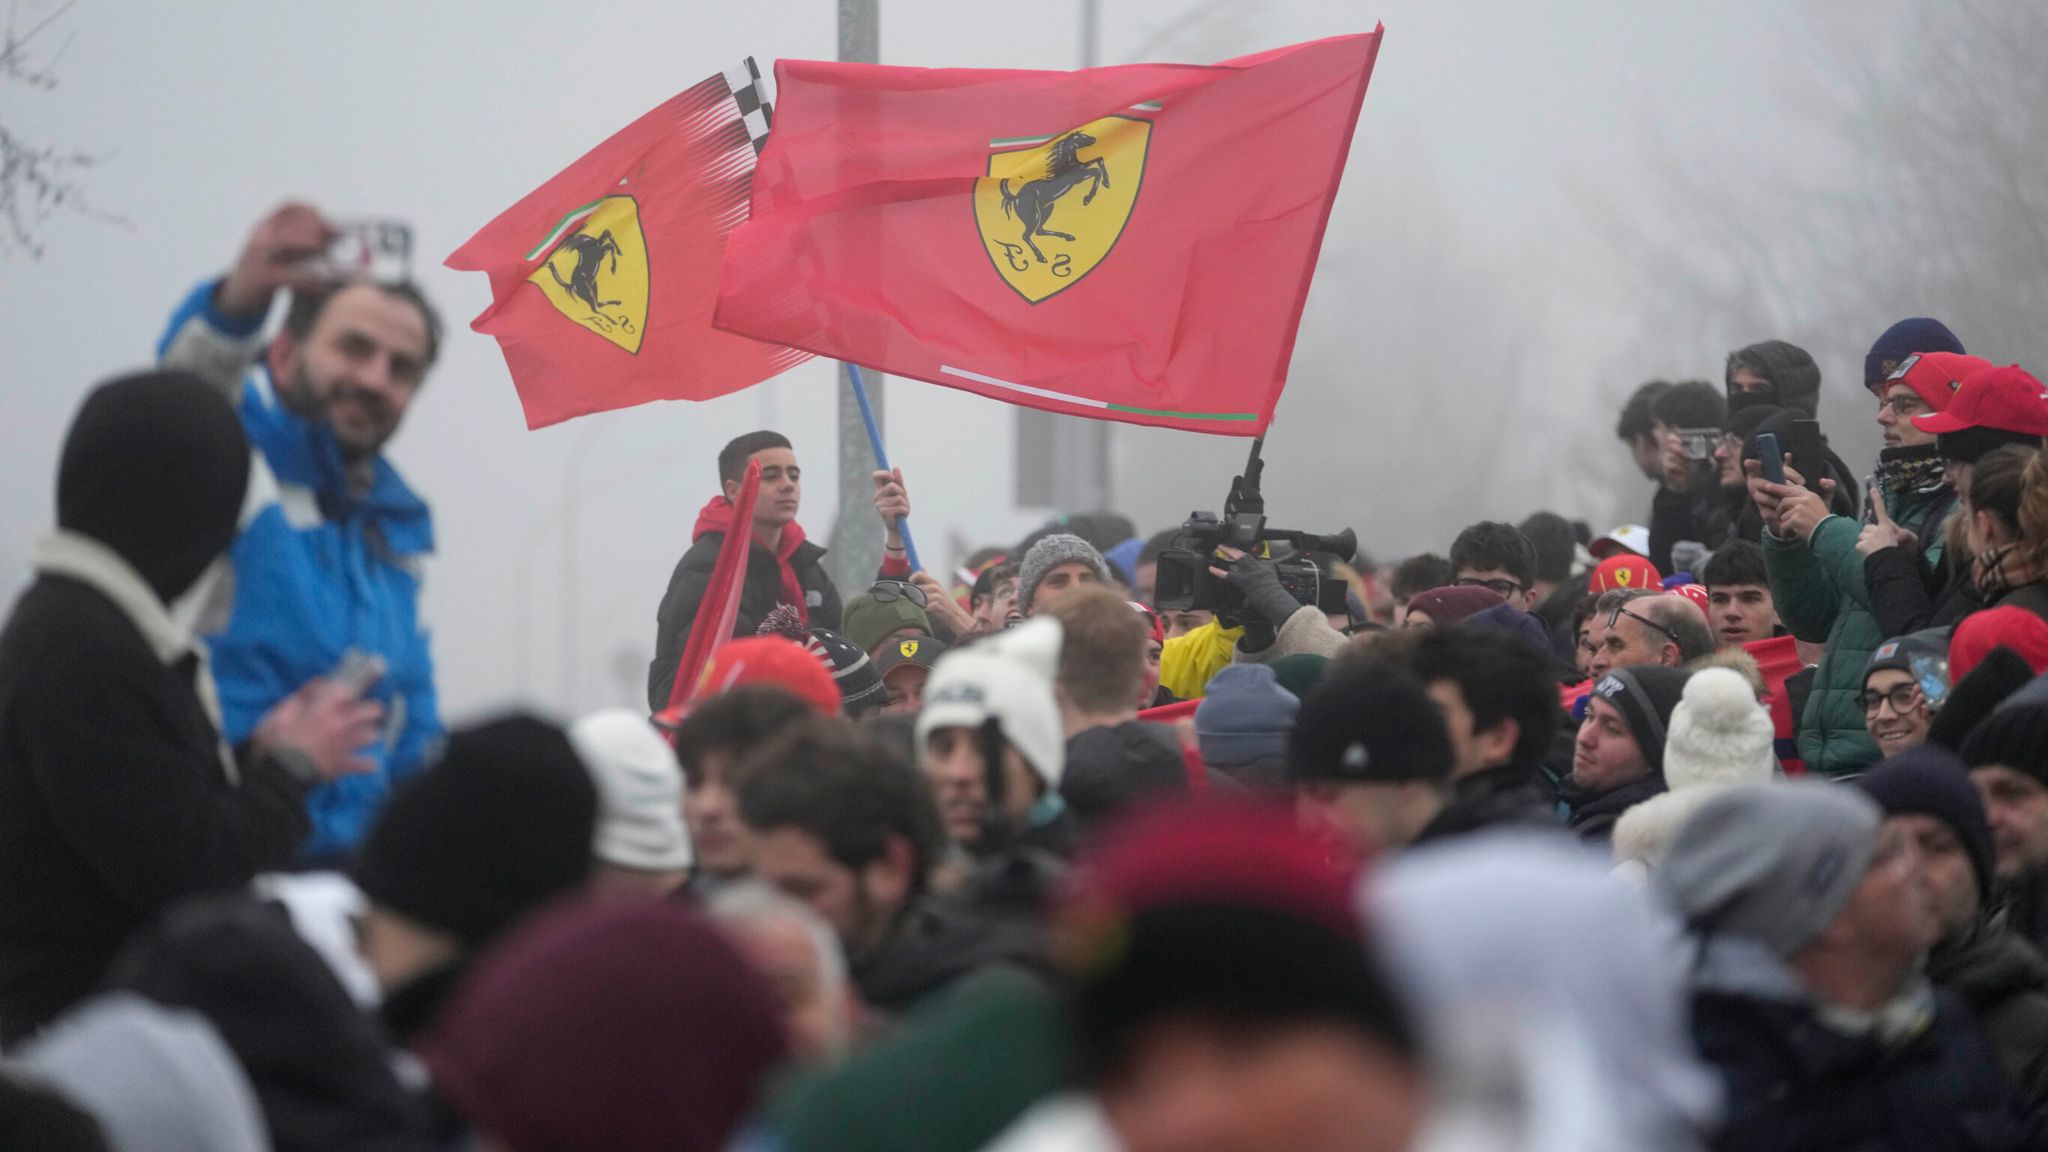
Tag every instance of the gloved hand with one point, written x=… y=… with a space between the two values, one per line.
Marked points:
x=1259 y=581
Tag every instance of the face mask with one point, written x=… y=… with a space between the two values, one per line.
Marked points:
x=1737 y=401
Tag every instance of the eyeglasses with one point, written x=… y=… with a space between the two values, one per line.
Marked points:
x=1504 y=588
x=885 y=591
x=1621 y=610
x=1902 y=698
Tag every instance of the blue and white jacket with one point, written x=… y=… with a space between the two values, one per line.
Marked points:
x=316 y=572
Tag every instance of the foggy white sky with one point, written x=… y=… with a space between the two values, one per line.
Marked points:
x=1482 y=120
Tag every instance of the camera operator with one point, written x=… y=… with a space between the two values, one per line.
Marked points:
x=1271 y=625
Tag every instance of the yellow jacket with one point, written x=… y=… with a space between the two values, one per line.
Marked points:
x=1187 y=662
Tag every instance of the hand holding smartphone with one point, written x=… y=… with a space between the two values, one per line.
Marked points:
x=1771 y=460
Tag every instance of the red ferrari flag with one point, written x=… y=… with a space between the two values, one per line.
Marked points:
x=721 y=603
x=603 y=279
x=1131 y=243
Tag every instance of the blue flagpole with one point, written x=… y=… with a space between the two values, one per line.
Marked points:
x=867 y=415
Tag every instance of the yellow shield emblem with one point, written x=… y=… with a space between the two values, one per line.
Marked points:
x=597 y=274
x=1051 y=208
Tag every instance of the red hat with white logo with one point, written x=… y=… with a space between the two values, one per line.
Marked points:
x=1935 y=376
x=1623 y=571
x=2008 y=399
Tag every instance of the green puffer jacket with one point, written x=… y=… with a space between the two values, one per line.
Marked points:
x=1821 y=597
x=2005 y=983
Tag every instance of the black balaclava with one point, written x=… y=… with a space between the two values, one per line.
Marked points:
x=1794 y=377
x=155 y=467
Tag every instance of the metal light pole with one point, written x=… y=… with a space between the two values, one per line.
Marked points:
x=856 y=536
x=1063 y=461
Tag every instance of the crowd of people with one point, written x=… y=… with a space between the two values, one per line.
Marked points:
x=1727 y=831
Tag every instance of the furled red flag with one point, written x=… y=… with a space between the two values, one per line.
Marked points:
x=603 y=279
x=1778 y=658
x=721 y=604
x=1131 y=243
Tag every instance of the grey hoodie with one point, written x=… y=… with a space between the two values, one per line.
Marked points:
x=1544 y=1043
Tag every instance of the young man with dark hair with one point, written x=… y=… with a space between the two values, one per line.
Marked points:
x=849 y=828
x=1370 y=759
x=1417 y=574
x=330 y=562
x=1739 y=595
x=1637 y=428
x=1500 y=708
x=1494 y=555
x=1688 y=421
x=1557 y=594
x=783 y=566
x=714 y=744
x=844 y=826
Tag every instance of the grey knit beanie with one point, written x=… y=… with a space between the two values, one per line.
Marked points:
x=1048 y=554
x=1771 y=862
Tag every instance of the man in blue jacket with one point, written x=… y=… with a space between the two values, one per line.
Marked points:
x=328 y=560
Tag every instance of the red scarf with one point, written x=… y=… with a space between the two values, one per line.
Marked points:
x=717 y=517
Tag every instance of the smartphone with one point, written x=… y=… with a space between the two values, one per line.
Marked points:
x=376 y=248
x=1772 y=460
x=358 y=672
x=1809 y=452
x=1870 y=498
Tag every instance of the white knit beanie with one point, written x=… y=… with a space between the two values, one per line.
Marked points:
x=1719 y=733
x=639 y=789
x=1009 y=677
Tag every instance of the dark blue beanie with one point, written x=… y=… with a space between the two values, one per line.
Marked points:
x=1245 y=715
x=1932 y=781
x=1915 y=334
x=1513 y=621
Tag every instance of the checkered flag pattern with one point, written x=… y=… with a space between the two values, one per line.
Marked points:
x=744 y=82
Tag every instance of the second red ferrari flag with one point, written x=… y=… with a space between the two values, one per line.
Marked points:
x=1131 y=243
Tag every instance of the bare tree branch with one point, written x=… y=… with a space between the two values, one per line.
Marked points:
x=36 y=180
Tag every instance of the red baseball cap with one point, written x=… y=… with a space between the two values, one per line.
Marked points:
x=1624 y=571
x=777 y=661
x=2008 y=399
x=1935 y=376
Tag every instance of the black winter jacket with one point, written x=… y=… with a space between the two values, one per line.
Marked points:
x=321 y=1067
x=114 y=803
x=761 y=593
x=1507 y=795
x=1795 y=1085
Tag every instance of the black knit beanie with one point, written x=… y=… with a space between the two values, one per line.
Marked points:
x=501 y=823
x=1646 y=695
x=1370 y=722
x=155 y=467
x=1933 y=781
x=2015 y=738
